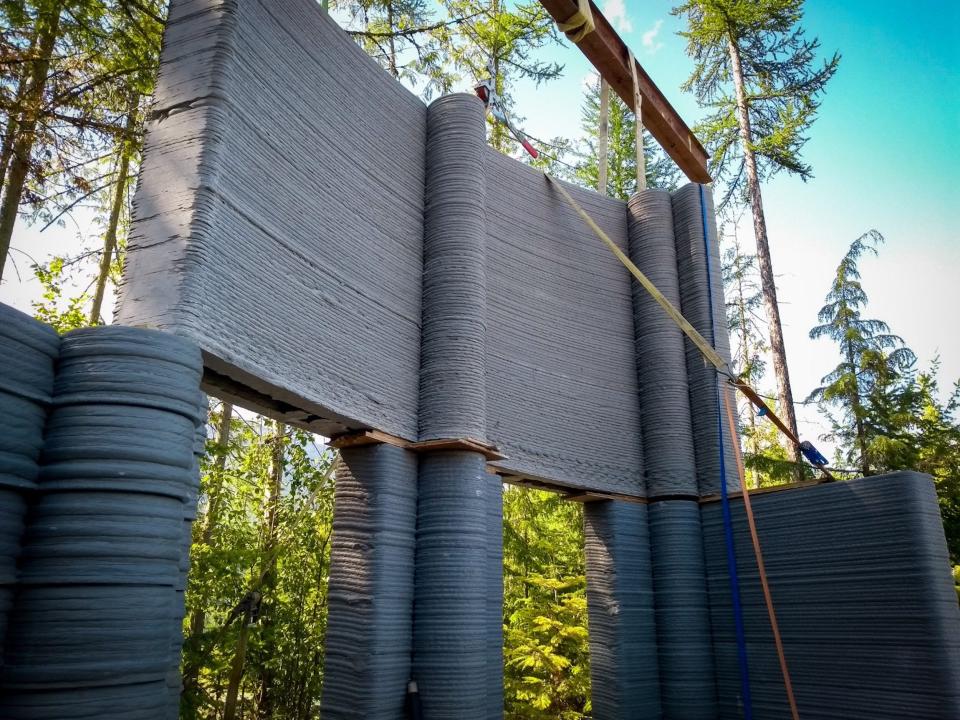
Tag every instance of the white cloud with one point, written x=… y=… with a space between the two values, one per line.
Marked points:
x=649 y=38
x=616 y=13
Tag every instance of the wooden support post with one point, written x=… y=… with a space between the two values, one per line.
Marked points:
x=638 y=114
x=607 y=52
x=604 y=137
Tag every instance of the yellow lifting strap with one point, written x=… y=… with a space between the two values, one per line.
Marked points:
x=580 y=24
x=689 y=330
x=705 y=348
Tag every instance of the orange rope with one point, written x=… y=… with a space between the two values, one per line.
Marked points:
x=761 y=568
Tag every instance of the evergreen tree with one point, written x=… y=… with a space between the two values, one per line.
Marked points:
x=758 y=129
x=867 y=387
x=505 y=38
x=546 y=653
x=661 y=172
x=766 y=462
x=938 y=452
x=399 y=35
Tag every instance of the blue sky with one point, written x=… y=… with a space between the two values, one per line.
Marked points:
x=884 y=151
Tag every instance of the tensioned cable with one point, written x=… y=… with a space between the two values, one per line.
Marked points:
x=714 y=358
x=739 y=630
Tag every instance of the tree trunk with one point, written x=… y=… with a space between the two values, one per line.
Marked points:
x=603 y=133
x=191 y=671
x=498 y=135
x=268 y=573
x=236 y=669
x=48 y=24
x=767 y=282
x=392 y=41
x=13 y=117
x=119 y=197
x=745 y=339
x=857 y=410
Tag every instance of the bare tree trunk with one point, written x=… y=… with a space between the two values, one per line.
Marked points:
x=603 y=133
x=198 y=618
x=119 y=197
x=392 y=41
x=857 y=411
x=13 y=117
x=767 y=282
x=236 y=669
x=48 y=24
x=269 y=574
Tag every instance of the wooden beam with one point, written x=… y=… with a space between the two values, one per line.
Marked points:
x=609 y=55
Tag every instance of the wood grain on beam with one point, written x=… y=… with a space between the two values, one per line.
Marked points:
x=608 y=53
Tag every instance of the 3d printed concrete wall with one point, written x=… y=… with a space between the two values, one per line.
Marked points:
x=338 y=219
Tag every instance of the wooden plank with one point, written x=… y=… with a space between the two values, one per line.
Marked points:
x=489 y=451
x=376 y=437
x=609 y=55
x=367 y=437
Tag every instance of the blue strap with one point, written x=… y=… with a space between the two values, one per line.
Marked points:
x=725 y=500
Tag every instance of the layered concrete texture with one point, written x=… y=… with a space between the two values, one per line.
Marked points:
x=348 y=258
x=861 y=581
x=28 y=353
x=452 y=621
x=95 y=623
x=624 y=665
x=370 y=617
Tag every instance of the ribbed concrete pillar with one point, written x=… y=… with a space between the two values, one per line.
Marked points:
x=494 y=595
x=452 y=614
x=454 y=307
x=682 y=611
x=453 y=624
x=624 y=670
x=668 y=452
x=701 y=291
x=687 y=675
x=93 y=631
x=369 y=626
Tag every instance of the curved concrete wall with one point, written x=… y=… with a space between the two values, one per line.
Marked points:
x=347 y=258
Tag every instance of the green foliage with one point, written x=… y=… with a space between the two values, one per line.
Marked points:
x=886 y=415
x=247 y=539
x=546 y=655
x=402 y=36
x=783 y=83
x=867 y=389
x=506 y=36
x=54 y=308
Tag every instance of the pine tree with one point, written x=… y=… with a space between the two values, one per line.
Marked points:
x=26 y=116
x=494 y=34
x=399 y=35
x=867 y=387
x=661 y=172
x=546 y=653
x=758 y=130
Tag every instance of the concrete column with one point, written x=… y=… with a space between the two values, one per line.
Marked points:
x=454 y=306
x=103 y=569
x=369 y=626
x=452 y=611
x=624 y=669
x=687 y=674
x=702 y=303
x=454 y=614
x=682 y=611
x=494 y=596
